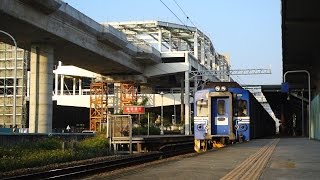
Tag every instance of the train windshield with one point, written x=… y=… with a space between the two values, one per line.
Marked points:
x=240 y=108
x=202 y=108
x=221 y=107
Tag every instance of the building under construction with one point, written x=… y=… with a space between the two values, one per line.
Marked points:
x=7 y=86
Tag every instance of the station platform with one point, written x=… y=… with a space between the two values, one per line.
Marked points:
x=282 y=158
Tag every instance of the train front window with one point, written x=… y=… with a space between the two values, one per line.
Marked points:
x=221 y=107
x=202 y=108
x=240 y=108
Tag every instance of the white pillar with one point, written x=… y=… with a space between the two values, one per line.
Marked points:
x=170 y=42
x=80 y=86
x=160 y=40
x=74 y=87
x=195 y=45
x=182 y=101
x=61 y=84
x=28 y=84
x=187 y=98
x=187 y=103
x=117 y=96
x=202 y=52
x=56 y=84
x=179 y=48
x=41 y=86
x=212 y=62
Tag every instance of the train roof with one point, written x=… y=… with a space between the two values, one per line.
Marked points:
x=227 y=84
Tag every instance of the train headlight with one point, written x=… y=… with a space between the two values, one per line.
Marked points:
x=217 y=88
x=223 y=88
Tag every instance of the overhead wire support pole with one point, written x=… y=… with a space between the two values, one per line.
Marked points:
x=14 y=79
x=229 y=72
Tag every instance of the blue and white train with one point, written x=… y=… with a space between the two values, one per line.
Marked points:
x=228 y=113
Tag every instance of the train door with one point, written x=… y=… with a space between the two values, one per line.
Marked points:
x=220 y=115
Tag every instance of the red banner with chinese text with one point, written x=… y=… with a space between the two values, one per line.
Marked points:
x=133 y=110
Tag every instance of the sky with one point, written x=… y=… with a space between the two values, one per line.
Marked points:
x=248 y=30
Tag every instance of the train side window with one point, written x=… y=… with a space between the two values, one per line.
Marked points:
x=241 y=108
x=221 y=107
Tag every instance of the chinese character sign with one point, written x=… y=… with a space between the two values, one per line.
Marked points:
x=133 y=110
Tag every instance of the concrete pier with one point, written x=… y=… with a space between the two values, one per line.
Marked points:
x=41 y=86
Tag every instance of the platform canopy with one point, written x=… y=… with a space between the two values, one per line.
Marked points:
x=300 y=41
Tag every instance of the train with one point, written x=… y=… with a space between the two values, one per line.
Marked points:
x=226 y=113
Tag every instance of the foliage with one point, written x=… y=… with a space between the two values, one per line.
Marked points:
x=49 y=151
x=49 y=143
x=36 y=158
x=142 y=103
x=94 y=143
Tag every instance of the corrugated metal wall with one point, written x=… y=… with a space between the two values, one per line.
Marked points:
x=315 y=118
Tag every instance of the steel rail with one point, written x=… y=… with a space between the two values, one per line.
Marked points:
x=108 y=165
x=79 y=170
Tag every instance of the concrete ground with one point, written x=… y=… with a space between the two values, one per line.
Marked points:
x=293 y=158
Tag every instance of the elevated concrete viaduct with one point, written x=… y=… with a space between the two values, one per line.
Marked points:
x=137 y=51
x=53 y=30
x=76 y=38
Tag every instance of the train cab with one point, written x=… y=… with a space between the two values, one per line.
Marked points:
x=221 y=115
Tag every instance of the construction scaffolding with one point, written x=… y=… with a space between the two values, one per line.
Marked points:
x=128 y=94
x=98 y=105
x=7 y=66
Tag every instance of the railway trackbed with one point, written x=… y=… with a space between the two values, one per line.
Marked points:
x=81 y=171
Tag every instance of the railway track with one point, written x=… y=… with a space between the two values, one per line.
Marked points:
x=81 y=171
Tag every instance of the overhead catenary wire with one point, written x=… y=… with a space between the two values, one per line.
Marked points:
x=188 y=18
x=242 y=82
x=172 y=12
x=175 y=15
x=238 y=79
